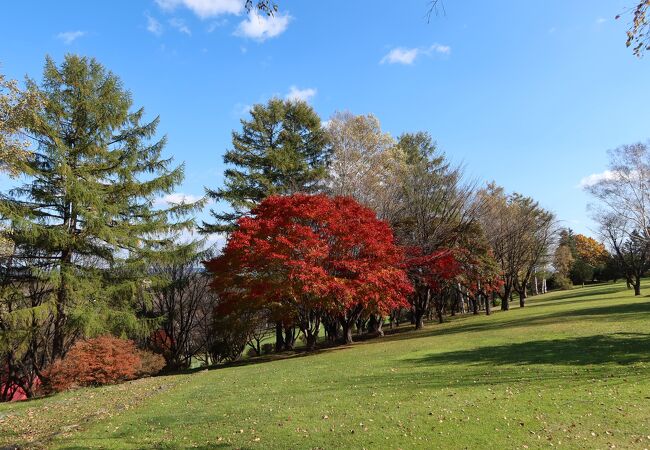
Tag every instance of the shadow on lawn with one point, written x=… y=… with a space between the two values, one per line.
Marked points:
x=617 y=348
x=588 y=292
x=607 y=312
x=406 y=331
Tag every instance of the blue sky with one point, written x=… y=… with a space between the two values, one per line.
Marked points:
x=527 y=93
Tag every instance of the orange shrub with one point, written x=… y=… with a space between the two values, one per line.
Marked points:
x=94 y=362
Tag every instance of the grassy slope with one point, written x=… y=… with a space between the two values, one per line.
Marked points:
x=570 y=370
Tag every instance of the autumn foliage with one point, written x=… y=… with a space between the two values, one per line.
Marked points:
x=590 y=250
x=99 y=361
x=304 y=256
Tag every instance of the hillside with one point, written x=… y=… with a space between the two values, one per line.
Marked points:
x=571 y=370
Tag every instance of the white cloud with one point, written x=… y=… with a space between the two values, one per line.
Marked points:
x=68 y=37
x=205 y=8
x=180 y=26
x=153 y=26
x=596 y=178
x=401 y=55
x=262 y=27
x=175 y=198
x=600 y=20
x=303 y=95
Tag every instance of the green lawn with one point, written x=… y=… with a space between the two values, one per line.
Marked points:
x=571 y=370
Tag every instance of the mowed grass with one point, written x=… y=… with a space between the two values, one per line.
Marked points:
x=571 y=370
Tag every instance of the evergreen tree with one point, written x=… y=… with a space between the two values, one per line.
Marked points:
x=84 y=223
x=281 y=150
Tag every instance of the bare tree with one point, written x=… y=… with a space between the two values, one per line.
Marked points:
x=182 y=299
x=520 y=233
x=624 y=190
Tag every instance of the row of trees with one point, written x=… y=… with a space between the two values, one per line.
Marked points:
x=461 y=246
x=331 y=228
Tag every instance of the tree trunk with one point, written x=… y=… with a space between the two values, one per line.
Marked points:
x=419 y=319
x=347 y=333
x=420 y=308
x=289 y=338
x=522 y=298
x=58 y=337
x=475 y=304
x=637 y=286
x=505 y=305
x=279 y=337
x=311 y=340
x=375 y=324
x=439 y=310
x=488 y=305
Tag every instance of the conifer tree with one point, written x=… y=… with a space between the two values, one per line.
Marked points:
x=84 y=222
x=281 y=150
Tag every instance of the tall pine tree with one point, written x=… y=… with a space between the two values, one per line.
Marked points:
x=282 y=149
x=84 y=224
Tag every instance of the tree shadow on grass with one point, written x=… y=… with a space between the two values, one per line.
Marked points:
x=617 y=348
x=588 y=292
x=598 y=313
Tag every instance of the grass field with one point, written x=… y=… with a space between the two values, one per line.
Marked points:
x=571 y=370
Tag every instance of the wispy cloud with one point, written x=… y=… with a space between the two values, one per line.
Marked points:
x=303 y=95
x=153 y=26
x=68 y=37
x=600 y=20
x=176 y=198
x=180 y=25
x=216 y=24
x=241 y=109
x=261 y=27
x=205 y=8
x=407 y=56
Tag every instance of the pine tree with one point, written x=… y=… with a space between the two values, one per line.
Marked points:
x=281 y=150
x=84 y=223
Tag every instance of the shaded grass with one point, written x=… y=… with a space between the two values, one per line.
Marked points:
x=572 y=369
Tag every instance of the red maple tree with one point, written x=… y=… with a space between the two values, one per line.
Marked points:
x=305 y=256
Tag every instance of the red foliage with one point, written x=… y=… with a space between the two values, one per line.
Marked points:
x=11 y=388
x=94 y=362
x=161 y=342
x=478 y=273
x=435 y=269
x=311 y=252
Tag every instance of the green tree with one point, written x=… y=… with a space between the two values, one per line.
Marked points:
x=282 y=149
x=83 y=222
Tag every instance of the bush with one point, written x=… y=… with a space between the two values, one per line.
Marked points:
x=150 y=363
x=561 y=282
x=252 y=353
x=95 y=362
x=268 y=348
